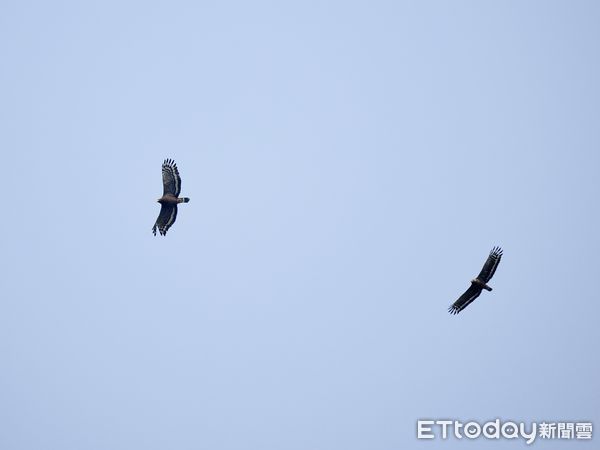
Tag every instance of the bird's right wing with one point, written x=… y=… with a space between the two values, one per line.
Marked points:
x=465 y=300
x=171 y=178
x=489 y=268
x=166 y=218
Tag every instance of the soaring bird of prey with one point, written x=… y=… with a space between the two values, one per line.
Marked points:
x=170 y=198
x=479 y=283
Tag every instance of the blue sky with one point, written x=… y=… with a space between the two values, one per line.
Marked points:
x=350 y=165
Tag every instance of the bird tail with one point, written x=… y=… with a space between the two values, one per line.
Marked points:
x=486 y=287
x=183 y=200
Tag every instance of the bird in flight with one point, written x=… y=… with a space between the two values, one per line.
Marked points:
x=170 y=198
x=479 y=283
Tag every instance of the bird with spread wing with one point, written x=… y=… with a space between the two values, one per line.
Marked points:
x=170 y=198
x=479 y=283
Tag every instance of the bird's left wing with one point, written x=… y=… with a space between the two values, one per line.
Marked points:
x=166 y=218
x=465 y=300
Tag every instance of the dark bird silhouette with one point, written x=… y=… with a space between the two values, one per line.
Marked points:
x=479 y=283
x=170 y=198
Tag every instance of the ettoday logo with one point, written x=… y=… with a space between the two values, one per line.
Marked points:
x=496 y=429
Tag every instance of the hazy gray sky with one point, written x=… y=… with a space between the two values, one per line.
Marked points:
x=350 y=165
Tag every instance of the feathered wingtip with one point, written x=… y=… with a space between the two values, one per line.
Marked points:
x=453 y=310
x=496 y=252
x=161 y=231
x=169 y=163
